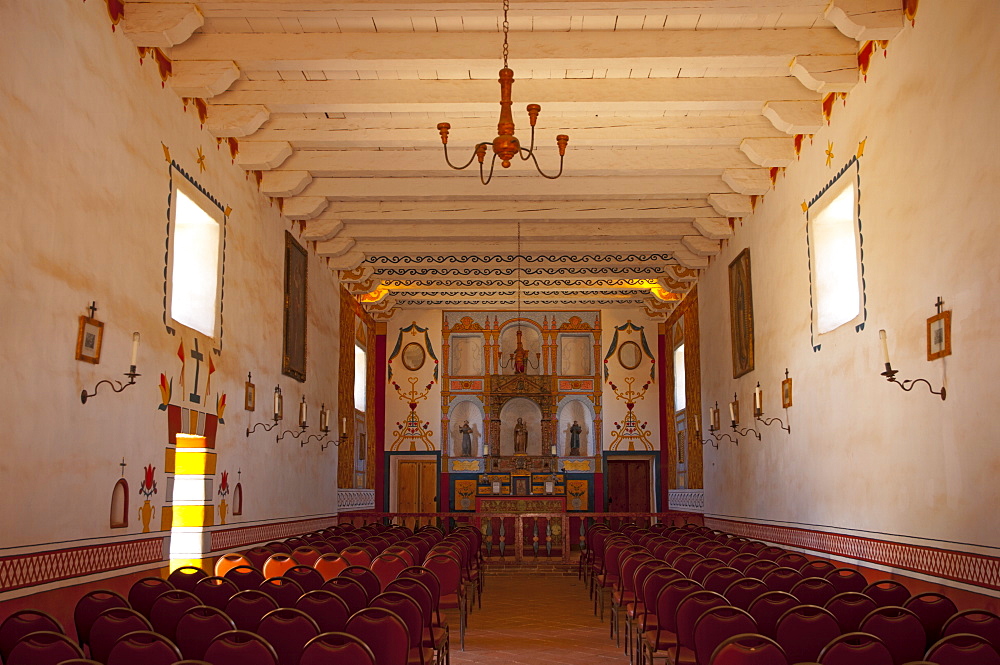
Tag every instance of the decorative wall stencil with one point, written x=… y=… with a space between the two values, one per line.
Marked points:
x=576 y=385
x=223 y=491
x=413 y=329
x=580 y=465
x=508 y=259
x=147 y=488
x=413 y=429
x=465 y=384
x=630 y=430
x=466 y=465
x=628 y=328
x=576 y=494
x=293 y=354
x=741 y=313
x=465 y=494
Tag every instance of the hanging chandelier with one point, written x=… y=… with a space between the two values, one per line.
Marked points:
x=505 y=145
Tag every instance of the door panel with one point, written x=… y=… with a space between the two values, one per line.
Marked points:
x=417 y=484
x=628 y=486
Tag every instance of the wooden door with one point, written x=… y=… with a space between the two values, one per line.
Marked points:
x=417 y=484
x=628 y=486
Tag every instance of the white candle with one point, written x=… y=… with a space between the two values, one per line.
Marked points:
x=302 y=412
x=758 y=399
x=135 y=348
x=885 y=347
x=343 y=424
x=732 y=412
x=277 y=403
x=486 y=450
x=324 y=418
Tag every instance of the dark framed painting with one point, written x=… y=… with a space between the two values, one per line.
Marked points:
x=741 y=313
x=293 y=356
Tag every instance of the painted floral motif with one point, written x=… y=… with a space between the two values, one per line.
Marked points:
x=224 y=485
x=148 y=486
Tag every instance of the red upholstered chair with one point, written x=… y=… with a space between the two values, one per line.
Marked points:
x=384 y=632
x=330 y=564
x=887 y=592
x=44 y=647
x=279 y=546
x=847 y=579
x=337 y=647
x=642 y=616
x=963 y=649
x=760 y=568
x=855 y=649
x=792 y=560
x=186 y=577
x=284 y=591
x=741 y=561
x=771 y=553
x=348 y=590
x=435 y=637
x=145 y=647
x=748 y=649
x=685 y=563
x=87 y=661
x=230 y=560
x=689 y=611
x=198 y=627
x=817 y=568
x=703 y=568
x=803 y=631
x=245 y=577
x=850 y=608
x=365 y=577
x=660 y=639
x=215 y=591
x=724 y=554
x=240 y=647
x=768 y=608
x=813 y=591
x=247 y=608
x=624 y=592
x=287 y=630
x=277 y=564
x=143 y=593
x=257 y=556
x=409 y=552
x=356 y=555
x=305 y=555
x=89 y=607
x=167 y=610
x=717 y=625
x=387 y=566
x=742 y=592
x=452 y=591
x=934 y=610
x=899 y=629
x=782 y=579
x=752 y=547
x=608 y=575
x=977 y=622
x=307 y=577
x=326 y=608
x=409 y=611
x=110 y=626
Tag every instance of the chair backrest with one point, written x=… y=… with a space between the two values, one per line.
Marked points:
x=337 y=647
x=813 y=591
x=934 y=610
x=741 y=561
x=329 y=565
x=247 y=608
x=742 y=592
x=356 y=555
x=760 y=568
x=245 y=577
x=284 y=591
x=365 y=577
x=792 y=560
x=715 y=626
x=110 y=626
x=287 y=630
x=850 y=608
x=855 y=648
x=703 y=568
x=419 y=592
x=448 y=572
x=167 y=611
x=804 y=630
x=278 y=546
x=143 y=646
x=143 y=593
x=748 y=649
x=230 y=560
x=240 y=647
x=408 y=551
x=258 y=555
x=430 y=580
x=349 y=590
x=21 y=623
x=384 y=632
x=690 y=609
x=186 y=577
x=719 y=579
x=305 y=555
x=817 y=568
x=307 y=577
x=977 y=622
x=724 y=554
x=782 y=579
x=887 y=592
x=963 y=649
x=667 y=601
x=326 y=608
x=387 y=566
x=899 y=629
x=90 y=606
x=408 y=610
x=768 y=608
x=43 y=647
x=277 y=564
x=847 y=579
x=752 y=547
x=686 y=562
x=771 y=553
x=198 y=627
x=215 y=591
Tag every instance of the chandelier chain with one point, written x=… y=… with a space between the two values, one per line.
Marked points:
x=506 y=29
x=518 y=271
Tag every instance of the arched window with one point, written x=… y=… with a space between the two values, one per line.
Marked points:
x=119 y=505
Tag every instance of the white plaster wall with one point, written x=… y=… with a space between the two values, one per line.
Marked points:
x=862 y=454
x=84 y=197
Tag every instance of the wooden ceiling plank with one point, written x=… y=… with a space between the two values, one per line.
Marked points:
x=382 y=246
x=161 y=25
x=500 y=209
x=603 y=231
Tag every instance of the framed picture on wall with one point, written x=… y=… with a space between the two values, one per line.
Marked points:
x=786 y=393
x=88 y=340
x=249 y=397
x=741 y=313
x=939 y=336
x=293 y=356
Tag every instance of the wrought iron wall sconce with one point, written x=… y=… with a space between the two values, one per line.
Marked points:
x=734 y=419
x=116 y=385
x=906 y=384
x=303 y=424
x=758 y=411
x=324 y=428
x=278 y=404
x=713 y=427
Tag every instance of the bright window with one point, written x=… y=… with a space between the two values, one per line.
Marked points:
x=195 y=261
x=360 y=377
x=680 y=386
x=836 y=265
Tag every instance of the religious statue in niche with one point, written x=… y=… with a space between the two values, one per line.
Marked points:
x=520 y=438
x=466 y=431
x=574 y=438
x=520 y=357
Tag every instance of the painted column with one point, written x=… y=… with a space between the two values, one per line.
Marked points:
x=193 y=507
x=664 y=362
x=381 y=493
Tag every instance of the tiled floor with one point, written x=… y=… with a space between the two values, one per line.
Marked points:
x=535 y=618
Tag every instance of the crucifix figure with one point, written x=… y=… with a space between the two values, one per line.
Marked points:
x=198 y=357
x=939 y=304
x=93 y=308
x=123 y=465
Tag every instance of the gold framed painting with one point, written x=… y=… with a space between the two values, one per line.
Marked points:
x=939 y=336
x=741 y=313
x=89 y=338
x=786 y=393
x=293 y=357
x=249 y=396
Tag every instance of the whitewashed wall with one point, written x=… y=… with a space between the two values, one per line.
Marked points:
x=864 y=455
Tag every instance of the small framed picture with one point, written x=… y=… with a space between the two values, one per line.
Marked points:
x=786 y=393
x=88 y=340
x=250 y=396
x=939 y=336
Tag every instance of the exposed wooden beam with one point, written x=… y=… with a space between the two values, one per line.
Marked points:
x=304 y=207
x=235 y=121
x=866 y=19
x=160 y=25
x=826 y=73
x=794 y=117
x=769 y=152
x=526 y=210
x=748 y=181
x=262 y=155
x=716 y=228
x=203 y=78
x=731 y=205
x=284 y=183
x=321 y=229
x=604 y=231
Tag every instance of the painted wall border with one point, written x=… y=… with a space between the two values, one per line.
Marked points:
x=230 y=538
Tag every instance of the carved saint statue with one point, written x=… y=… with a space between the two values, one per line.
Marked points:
x=520 y=437
x=466 y=433
x=574 y=438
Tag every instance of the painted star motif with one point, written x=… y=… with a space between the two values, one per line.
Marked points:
x=829 y=153
x=202 y=168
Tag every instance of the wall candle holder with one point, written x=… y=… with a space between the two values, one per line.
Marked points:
x=758 y=411
x=116 y=385
x=734 y=419
x=324 y=428
x=906 y=384
x=713 y=427
x=278 y=400
x=303 y=425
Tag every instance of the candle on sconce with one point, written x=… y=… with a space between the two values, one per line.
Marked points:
x=135 y=349
x=758 y=399
x=343 y=424
x=324 y=418
x=277 y=403
x=486 y=450
x=732 y=412
x=885 y=348
x=303 y=410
